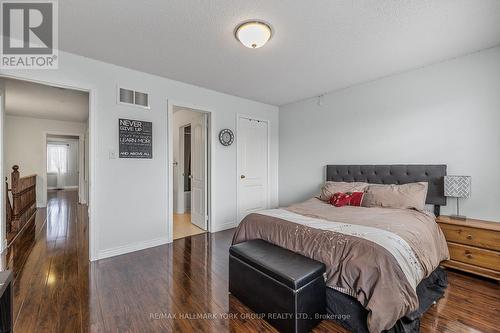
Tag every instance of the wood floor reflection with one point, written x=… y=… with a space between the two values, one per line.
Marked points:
x=51 y=290
x=180 y=287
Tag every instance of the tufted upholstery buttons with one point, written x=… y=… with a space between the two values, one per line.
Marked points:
x=394 y=174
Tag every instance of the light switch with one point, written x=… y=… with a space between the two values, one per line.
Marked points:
x=112 y=154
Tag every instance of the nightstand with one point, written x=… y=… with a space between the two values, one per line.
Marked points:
x=474 y=245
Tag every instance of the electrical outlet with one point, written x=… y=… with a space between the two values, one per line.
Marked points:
x=112 y=154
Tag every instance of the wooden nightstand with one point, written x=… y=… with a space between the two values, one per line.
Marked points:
x=474 y=245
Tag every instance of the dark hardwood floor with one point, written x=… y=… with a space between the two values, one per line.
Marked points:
x=176 y=287
x=51 y=288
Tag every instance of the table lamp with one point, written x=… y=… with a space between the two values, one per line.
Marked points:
x=457 y=187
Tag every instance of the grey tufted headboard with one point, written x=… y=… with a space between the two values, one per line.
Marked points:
x=395 y=174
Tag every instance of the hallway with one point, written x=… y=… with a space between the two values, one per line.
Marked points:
x=51 y=290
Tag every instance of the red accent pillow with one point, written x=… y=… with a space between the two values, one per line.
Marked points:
x=340 y=199
x=356 y=198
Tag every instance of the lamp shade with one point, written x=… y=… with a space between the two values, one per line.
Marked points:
x=457 y=186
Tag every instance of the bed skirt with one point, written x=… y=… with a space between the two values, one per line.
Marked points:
x=347 y=311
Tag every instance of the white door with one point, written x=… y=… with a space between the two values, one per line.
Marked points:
x=252 y=166
x=199 y=171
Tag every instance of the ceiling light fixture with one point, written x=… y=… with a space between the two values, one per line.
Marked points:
x=253 y=34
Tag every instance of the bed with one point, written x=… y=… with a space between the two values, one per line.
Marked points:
x=382 y=264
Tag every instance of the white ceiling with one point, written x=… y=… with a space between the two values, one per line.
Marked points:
x=318 y=46
x=26 y=99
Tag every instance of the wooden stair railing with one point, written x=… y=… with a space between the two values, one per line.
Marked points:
x=23 y=207
x=8 y=205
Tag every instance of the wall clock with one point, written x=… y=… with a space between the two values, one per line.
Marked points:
x=226 y=137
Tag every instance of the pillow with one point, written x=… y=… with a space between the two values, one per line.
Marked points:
x=356 y=199
x=406 y=196
x=330 y=188
x=340 y=199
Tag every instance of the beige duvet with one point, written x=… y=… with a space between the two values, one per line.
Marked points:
x=377 y=255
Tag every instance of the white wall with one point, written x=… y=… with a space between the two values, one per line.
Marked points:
x=446 y=113
x=25 y=145
x=70 y=179
x=130 y=201
x=181 y=117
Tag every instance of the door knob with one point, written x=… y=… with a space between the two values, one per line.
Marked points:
x=242 y=176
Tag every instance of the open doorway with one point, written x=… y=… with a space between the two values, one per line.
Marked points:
x=191 y=177
x=66 y=167
x=46 y=162
x=36 y=114
x=46 y=232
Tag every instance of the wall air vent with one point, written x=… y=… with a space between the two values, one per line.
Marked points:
x=134 y=98
x=141 y=99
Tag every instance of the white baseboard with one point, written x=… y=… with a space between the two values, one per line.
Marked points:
x=64 y=188
x=119 y=250
x=224 y=226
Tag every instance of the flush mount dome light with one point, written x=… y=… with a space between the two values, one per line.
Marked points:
x=253 y=34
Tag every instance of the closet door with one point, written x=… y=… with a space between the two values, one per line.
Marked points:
x=252 y=141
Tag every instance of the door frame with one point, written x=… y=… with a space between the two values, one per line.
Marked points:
x=91 y=90
x=210 y=162
x=238 y=171
x=3 y=193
